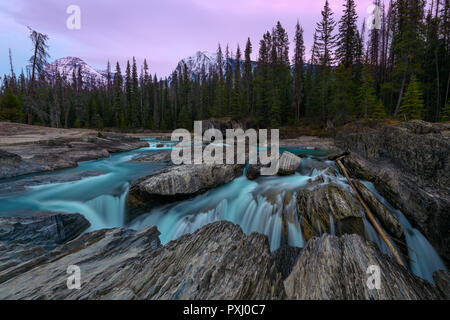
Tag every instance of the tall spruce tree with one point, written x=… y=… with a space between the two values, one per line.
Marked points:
x=236 y=101
x=325 y=44
x=247 y=80
x=298 y=64
x=412 y=103
x=347 y=39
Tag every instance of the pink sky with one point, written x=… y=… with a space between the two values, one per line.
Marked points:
x=161 y=31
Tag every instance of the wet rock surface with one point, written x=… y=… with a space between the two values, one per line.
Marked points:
x=387 y=219
x=409 y=165
x=289 y=163
x=9 y=186
x=216 y=262
x=162 y=156
x=328 y=208
x=26 y=241
x=442 y=281
x=178 y=182
x=335 y=268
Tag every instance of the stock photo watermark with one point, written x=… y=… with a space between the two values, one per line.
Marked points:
x=374 y=20
x=73 y=22
x=213 y=153
x=374 y=279
x=74 y=280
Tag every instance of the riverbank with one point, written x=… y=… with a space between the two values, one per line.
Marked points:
x=28 y=149
x=279 y=234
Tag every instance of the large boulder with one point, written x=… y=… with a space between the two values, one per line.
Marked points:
x=216 y=262
x=328 y=209
x=289 y=163
x=336 y=268
x=178 y=182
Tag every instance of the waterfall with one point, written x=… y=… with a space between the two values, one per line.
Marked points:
x=266 y=205
x=242 y=202
x=424 y=260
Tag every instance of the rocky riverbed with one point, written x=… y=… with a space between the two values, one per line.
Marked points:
x=29 y=149
x=300 y=235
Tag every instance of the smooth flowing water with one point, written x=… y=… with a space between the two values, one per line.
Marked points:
x=257 y=206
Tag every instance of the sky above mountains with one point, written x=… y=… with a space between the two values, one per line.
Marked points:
x=164 y=32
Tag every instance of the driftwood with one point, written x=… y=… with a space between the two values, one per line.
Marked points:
x=372 y=219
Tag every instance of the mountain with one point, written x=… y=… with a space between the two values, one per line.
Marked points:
x=66 y=66
x=196 y=62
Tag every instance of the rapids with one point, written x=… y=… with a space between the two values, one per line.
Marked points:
x=257 y=206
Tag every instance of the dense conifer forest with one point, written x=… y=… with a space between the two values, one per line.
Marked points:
x=400 y=70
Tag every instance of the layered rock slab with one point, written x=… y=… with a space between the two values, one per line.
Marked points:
x=216 y=262
x=335 y=268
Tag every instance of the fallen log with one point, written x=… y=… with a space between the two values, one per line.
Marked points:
x=372 y=219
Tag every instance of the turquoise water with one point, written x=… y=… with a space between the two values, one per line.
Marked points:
x=257 y=206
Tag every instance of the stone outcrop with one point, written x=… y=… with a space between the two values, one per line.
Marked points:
x=441 y=279
x=335 y=268
x=19 y=185
x=387 y=219
x=161 y=156
x=216 y=262
x=316 y=205
x=409 y=165
x=30 y=149
x=285 y=258
x=26 y=241
x=178 y=182
x=288 y=164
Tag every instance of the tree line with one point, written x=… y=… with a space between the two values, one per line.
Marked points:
x=401 y=71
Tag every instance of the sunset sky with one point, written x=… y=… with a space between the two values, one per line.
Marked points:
x=161 y=31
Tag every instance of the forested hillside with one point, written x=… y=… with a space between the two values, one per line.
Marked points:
x=400 y=70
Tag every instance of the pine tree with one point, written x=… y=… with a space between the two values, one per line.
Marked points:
x=262 y=85
x=325 y=44
x=408 y=46
x=118 y=97
x=236 y=108
x=128 y=94
x=298 y=63
x=367 y=94
x=228 y=82
x=219 y=99
x=247 y=79
x=10 y=107
x=347 y=42
x=412 y=103
x=135 y=115
x=378 y=111
x=445 y=114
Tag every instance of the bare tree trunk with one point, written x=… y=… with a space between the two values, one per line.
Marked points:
x=30 y=94
x=448 y=85
x=399 y=101
x=436 y=114
x=370 y=216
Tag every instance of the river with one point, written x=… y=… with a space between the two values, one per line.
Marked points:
x=101 y=189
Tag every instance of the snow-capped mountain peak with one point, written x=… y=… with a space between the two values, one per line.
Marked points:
x=199 y=61
x=69 y=65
